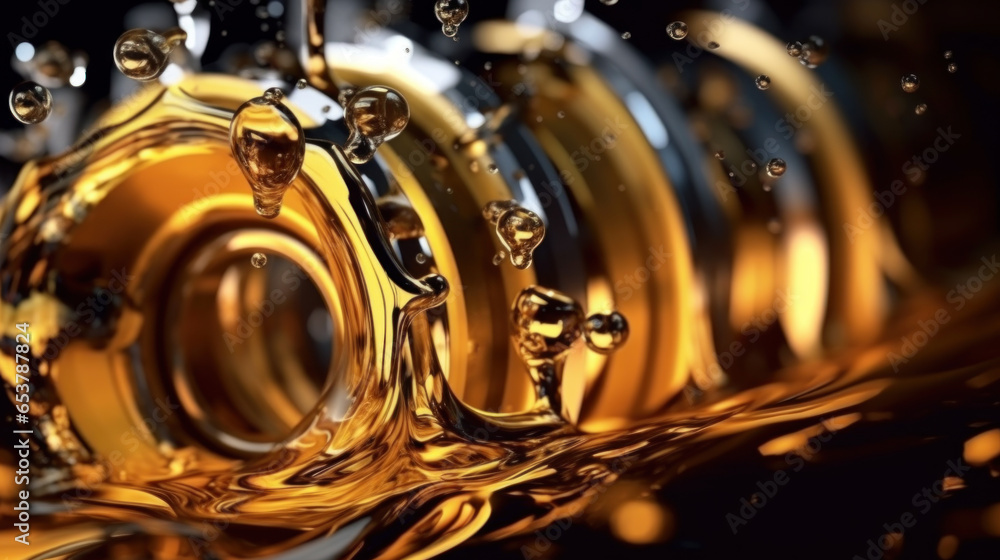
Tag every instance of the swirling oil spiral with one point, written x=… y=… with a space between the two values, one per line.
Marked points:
x=370 y=302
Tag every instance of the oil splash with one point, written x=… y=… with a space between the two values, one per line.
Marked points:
x=401 y=467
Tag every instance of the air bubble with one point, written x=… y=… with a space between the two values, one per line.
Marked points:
x=258 y=260
x=763 y=82
x=910 y=83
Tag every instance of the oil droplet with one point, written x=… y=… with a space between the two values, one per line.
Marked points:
x=814 y=52
x=626 y=35
x=30 y=103
x=493 y=169
x=451 y=14
x=910 y=83
x=499 y=257
x=763 y=82
x=269 y=145
x=720 y=155
x=677 y=30
x=258 y=260
x=948 y=55
x=776 y=167
x=301 y=84
x=142 y=54
x=952 y=67
x=920 y=109
x=561 y=114
x=546 y=324
x=605 y=332
x=487 y=65
x=420 y=258
x=794 y=48
x=474 y=166
x=713 y=45
x=520 y=230
x=374 y=115
x=774 y=226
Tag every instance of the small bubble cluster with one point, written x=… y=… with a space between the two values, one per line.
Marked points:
x=811 y=53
